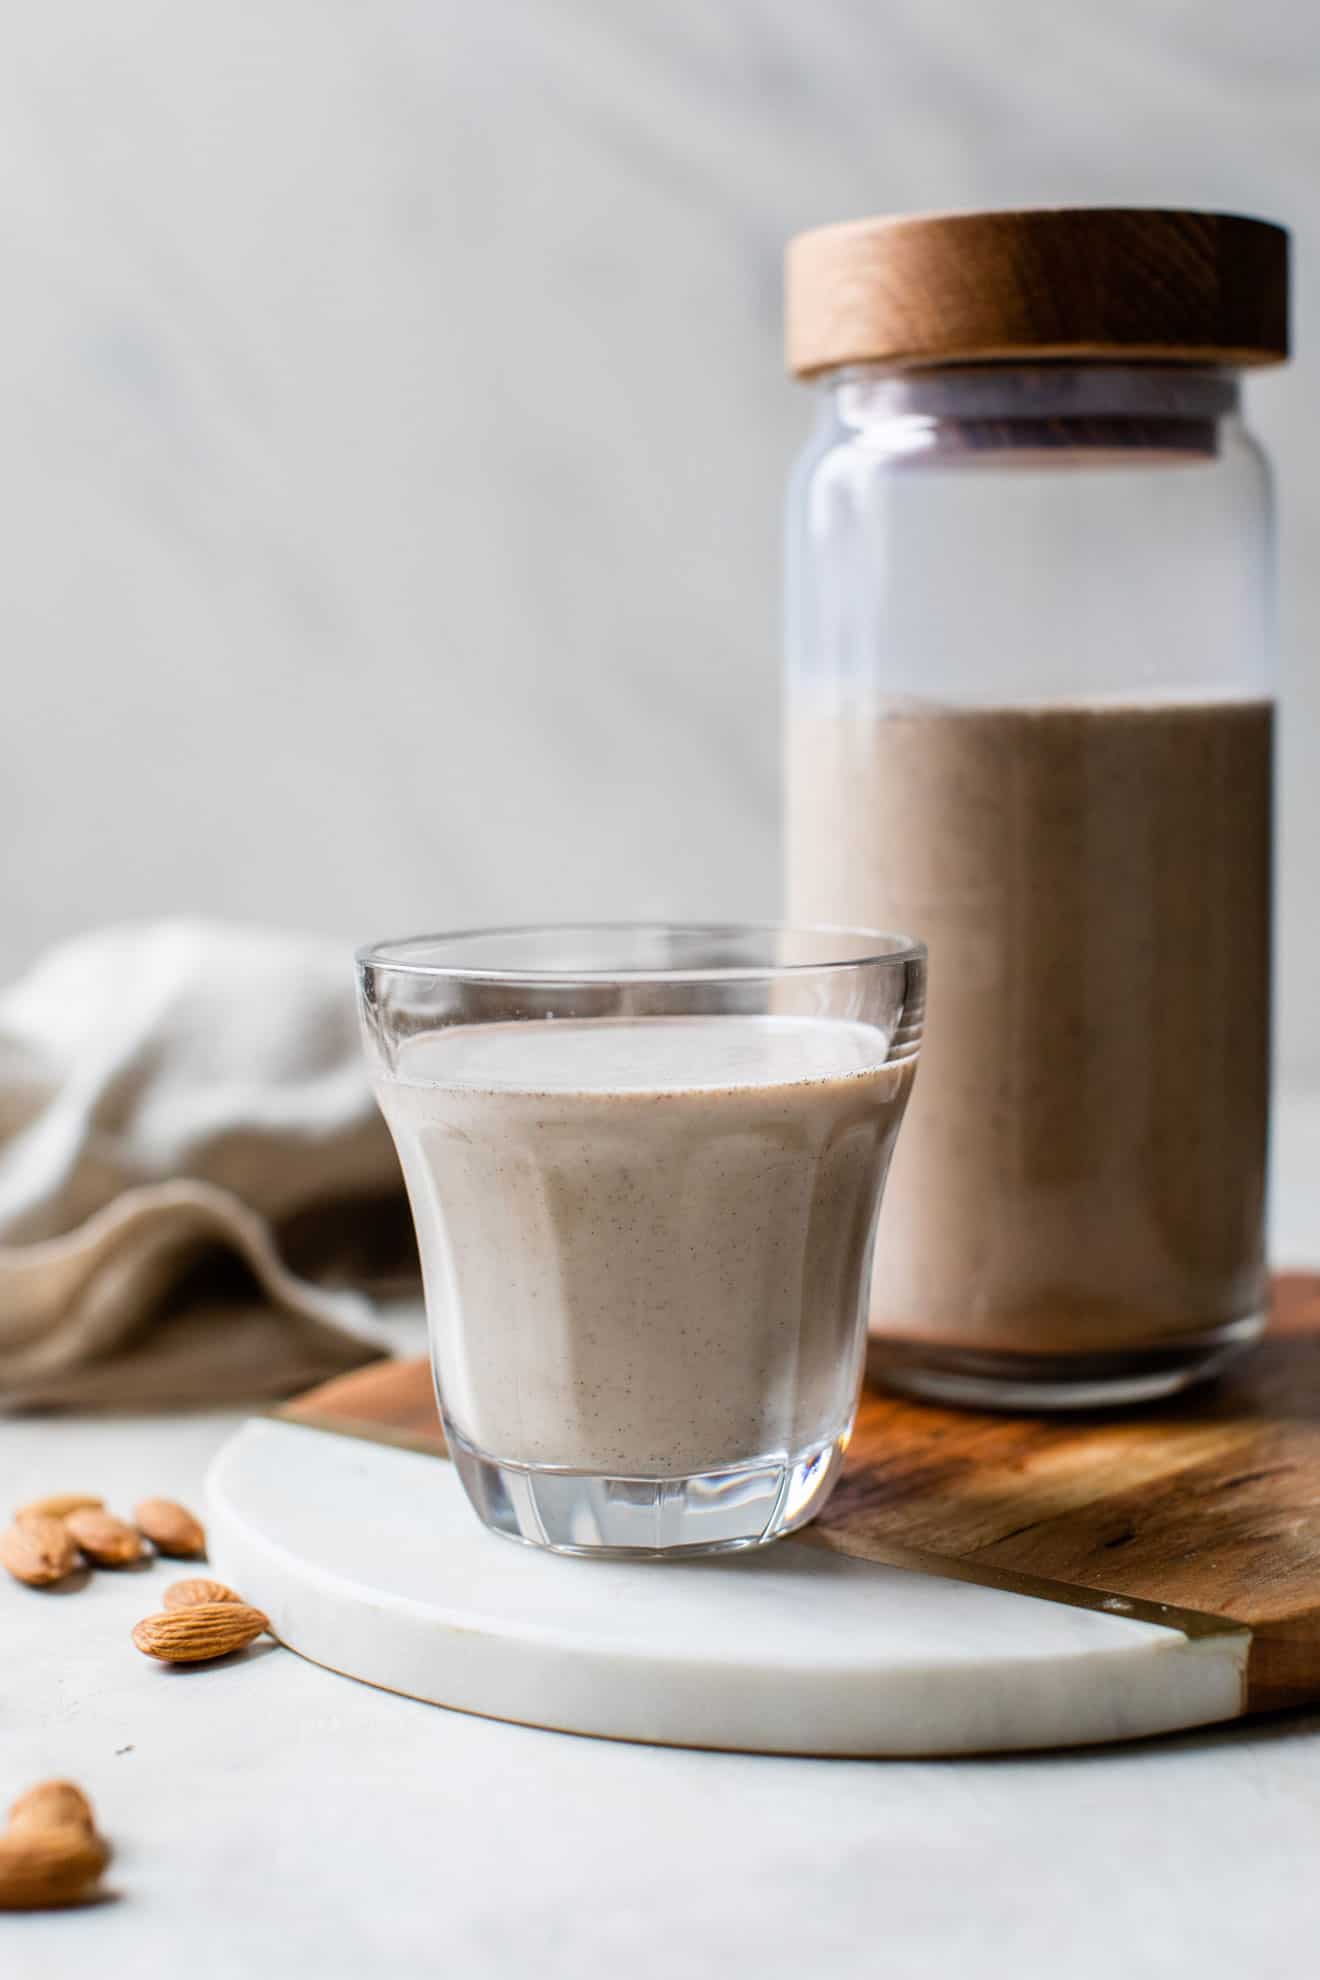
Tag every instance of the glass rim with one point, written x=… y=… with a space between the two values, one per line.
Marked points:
x=390 y=953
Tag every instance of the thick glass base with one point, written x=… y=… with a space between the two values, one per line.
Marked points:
x=709 y=1512
x=975 y=1379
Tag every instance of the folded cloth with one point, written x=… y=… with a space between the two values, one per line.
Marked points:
x=195 y=1184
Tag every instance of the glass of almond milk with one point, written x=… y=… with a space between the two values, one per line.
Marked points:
x=645 y=1165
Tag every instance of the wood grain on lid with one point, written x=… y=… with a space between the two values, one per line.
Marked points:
x=1064 y=282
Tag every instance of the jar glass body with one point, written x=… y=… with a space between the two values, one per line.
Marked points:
x=1029 y=720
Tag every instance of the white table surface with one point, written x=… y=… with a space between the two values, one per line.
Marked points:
x=271 y=1819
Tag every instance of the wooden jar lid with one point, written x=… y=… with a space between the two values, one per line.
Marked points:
x=1050 y=282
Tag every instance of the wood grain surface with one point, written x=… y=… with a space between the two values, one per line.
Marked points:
x=1058 y=282
x=1208 y=1504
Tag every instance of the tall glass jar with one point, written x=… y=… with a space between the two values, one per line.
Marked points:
x=1029 y=720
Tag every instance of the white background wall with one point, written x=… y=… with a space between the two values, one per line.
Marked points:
x=394 y=429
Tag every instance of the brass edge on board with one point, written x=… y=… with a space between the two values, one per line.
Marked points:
x=1191 y=1623
x=917 y=1560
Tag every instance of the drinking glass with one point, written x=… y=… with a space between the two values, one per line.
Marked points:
x=645 y=1164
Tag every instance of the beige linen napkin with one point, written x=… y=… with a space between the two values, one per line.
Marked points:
x=195 y=1184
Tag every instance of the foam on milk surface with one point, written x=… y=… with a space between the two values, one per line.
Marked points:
x=641 y=1055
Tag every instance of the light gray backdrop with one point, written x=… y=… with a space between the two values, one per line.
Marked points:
x=395 y=430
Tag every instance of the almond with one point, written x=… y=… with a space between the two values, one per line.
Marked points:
x=191 y=1636
x=108 y=1541
x=187 y=1594
x=171 y=1528
x=58 y=1506
x=53 y=1805
x=38 y=1552
x=42 y=1867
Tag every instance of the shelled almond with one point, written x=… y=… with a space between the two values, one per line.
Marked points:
x=171 y=1528
x=197 y=1634
x=108 y=1541
x=39 y=1551
x=51 y=1853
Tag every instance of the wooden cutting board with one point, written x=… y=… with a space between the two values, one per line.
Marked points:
x=1093 y=1547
